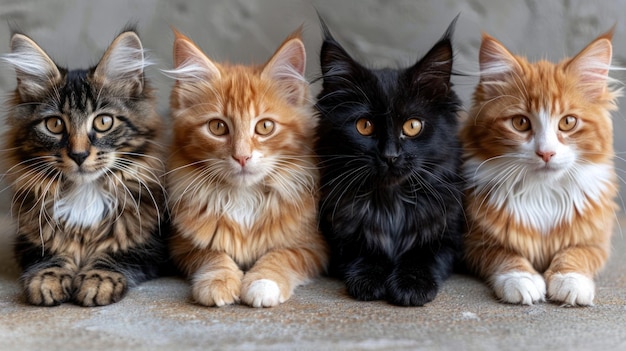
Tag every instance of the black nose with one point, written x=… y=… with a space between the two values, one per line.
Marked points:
x=79 y=157
x=391 y=159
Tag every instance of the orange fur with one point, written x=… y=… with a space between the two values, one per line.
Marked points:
x=498 y=244
x=232 y=231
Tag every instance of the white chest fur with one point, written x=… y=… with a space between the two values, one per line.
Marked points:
x=84 y=205
x=536 y=200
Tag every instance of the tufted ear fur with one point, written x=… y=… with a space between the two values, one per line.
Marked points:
x=123 y=63
x=35 y=71
x=287 y=67
x=190 y=63
x=592 y=64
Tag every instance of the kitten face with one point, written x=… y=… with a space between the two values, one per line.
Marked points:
x=241 y=124
x=387 y=126
x=547 y=118
x=70 y=128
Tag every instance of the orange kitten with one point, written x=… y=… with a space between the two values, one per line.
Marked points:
x=539 y=162
x=243 y=181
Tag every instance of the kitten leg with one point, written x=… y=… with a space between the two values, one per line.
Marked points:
x=417 y=275
x=365 y=277
x=48 y=283
x=274 y=276
x=511 y=276
x=570 y=275
x=46 y=278
x=218 y=280
x=100 y=282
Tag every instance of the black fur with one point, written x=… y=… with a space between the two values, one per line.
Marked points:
x=391 y=205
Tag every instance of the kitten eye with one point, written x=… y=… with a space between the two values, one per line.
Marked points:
x=365 y=127
x=218 y=127
x=55 y=125
x=103 y=123
x=264 y=127
x=567 y=123
x=412 y=127
x=521 y=123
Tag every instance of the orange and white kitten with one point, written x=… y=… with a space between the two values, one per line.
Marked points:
x=542 y=185
x=243 y=178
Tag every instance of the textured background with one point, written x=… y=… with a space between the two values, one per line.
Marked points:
x=378 y=32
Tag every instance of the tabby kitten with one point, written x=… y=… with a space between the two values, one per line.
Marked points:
x=243 y=179
x=539 y=161
x=83 y=160
x=391 y=204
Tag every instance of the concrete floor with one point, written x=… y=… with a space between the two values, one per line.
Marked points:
x=158 y=315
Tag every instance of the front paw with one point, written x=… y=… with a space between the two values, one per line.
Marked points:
x=48 y=287
x=217 y=288
x=261 y=293
x=365 y=286
x=519 y=287
x=99 y=287
x=404 y=289
x=572 y=289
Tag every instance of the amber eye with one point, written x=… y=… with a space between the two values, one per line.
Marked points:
x=521 y=123
x=365 y=127
x=103 y=123
x=264 y=127
x=218 y=127
x=412 y=127
x=567 y=123
x=55 y=125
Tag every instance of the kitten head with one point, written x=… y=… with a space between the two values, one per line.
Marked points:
x=75 y=126
x=541 y=119
x=241 y=125
x=385 y=127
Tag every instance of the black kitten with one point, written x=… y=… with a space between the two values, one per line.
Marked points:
x=391 y=206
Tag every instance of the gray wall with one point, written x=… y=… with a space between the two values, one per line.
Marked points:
x=394 y=32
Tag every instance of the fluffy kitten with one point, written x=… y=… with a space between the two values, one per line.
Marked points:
x=539 y=161
x=243 y=180
x=391 y=204
x=82 y=154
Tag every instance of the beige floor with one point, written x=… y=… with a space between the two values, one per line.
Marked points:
x=158 y=316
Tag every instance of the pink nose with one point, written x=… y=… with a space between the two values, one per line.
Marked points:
x=242 y=160
x=545 y=155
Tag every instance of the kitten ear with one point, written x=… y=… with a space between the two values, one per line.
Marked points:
x=495 y=60
x=190 y=63
x=123 y=63
x=433 y=71
x=35 y=71
x=592 y=64
x=287 y=67
x=334 y=59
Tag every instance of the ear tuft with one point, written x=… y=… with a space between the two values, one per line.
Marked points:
x=592 y=65
x=35 y=71
x=123 y=62
x=495 y=60
x=190 y=63
x=287 y=67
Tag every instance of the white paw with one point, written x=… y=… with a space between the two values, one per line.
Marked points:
x=262 y=293
x=572 y=289
x=519 y=287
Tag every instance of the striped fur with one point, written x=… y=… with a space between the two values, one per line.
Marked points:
x=88 y=200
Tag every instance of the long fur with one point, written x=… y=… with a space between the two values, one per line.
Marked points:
x=243 y=204
x=89 y=205
x=540 y=227
x=391 y=205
